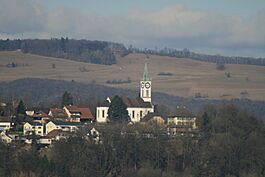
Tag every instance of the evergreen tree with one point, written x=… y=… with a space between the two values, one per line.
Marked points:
x=117 y=110
x=21 y=109
x=67 y=99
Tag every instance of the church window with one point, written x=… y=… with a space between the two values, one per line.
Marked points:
x=141 y=114
x=103 y=113
x=133 y=114
x=147 y=93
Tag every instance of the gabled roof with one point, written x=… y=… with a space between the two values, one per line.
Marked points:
x=182 y=112
x=136 y=103
x=56 y=112
x=106 y=103
x=85 y=113
x=72 y=109
x=130 y=103
x=54 y=133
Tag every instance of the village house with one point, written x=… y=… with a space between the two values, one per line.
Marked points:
x=54 y=135
x=58 y=113
x=38 y=116
x=61 y=125
x=182 y=117
x=137 y=108
x=76 y=114
x=91 y=132
x=36 y=127
x=5 y=124
x=58 y=134
x=181 y=122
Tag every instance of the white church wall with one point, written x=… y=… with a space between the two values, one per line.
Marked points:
x=136 y=114
x=102 y=114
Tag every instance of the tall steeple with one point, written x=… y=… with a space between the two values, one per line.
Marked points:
x=146 y=75
x=145 y=86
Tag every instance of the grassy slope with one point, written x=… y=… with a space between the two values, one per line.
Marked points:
x=189 y=76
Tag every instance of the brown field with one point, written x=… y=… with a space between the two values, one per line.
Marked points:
x=189 y=76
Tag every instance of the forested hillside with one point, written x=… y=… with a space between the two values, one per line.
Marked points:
x=47 y=93
x=98 y=52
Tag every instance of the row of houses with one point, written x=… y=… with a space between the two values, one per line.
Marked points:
x=49 y=129
x=67 y=113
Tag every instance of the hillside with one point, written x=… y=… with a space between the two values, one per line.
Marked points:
x=180 y=77
x=100 y=52
x=47 y=93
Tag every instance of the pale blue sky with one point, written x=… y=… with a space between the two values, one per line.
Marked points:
x=228 y=27
x=244 y=8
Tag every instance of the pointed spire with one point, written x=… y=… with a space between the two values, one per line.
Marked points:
x=146 y=75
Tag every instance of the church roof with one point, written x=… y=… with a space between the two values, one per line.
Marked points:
x=146 y=75
x=106 y=103
x=136 y=102
x=130 y=103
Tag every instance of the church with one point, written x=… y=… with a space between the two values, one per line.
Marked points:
x=137 y=108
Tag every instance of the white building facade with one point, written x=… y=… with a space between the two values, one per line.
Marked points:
x=35 y=127
x=60 y=125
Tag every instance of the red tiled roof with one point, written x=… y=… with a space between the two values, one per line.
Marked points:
x=85 y=113
x=72 y=108
x=56 y=112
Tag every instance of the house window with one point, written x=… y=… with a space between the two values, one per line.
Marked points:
x=141 y=114
x=103 y=113
x=133 y=114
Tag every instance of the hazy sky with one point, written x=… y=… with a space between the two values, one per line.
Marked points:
x=228 y=27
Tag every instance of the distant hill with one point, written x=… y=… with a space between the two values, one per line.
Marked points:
x=99 y=52
x=47 y=93
x=185 y=53
x=174 y=76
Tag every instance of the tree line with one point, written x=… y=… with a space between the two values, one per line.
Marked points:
x=102 y=52
x=99 y=52
x=186 y=53
x=230 y=143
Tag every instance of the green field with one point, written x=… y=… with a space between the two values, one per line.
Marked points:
x=188 y=76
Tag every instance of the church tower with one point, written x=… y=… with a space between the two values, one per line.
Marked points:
x=145 y=86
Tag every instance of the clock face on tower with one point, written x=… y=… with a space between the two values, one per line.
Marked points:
x=147 y=85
